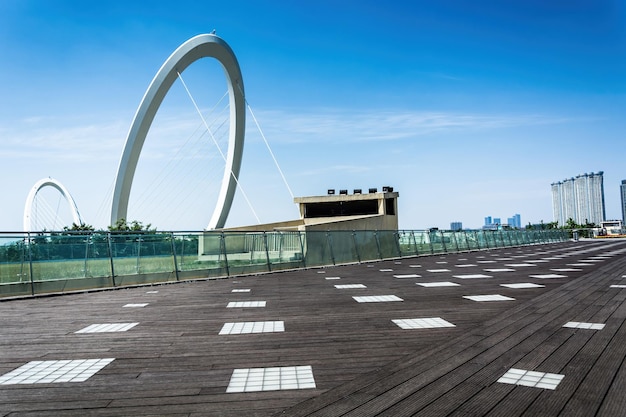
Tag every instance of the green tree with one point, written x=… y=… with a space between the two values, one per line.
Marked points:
x=121 y=225
x=83 y=227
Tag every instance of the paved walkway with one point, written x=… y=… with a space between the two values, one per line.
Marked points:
x=303 y=343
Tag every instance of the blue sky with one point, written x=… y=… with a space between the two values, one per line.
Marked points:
x=467 y=108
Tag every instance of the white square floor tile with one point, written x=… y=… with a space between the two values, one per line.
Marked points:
x=271 y=379
x=386 y=270
x=536 y=261
x=376 y=298
x=499 y=270
x=486 y=262
x=42 y=372
x=548 y=276
x=136 y=305
x=107 y=327
x=247 y=327
x=441 y=262
x=246 y=304
x=439 y=284
x=472 y=276
x=565 y=269
x=349 y=286
x=491 y=297
x=424 y=323
x=531 y=378
x=465 y=265
x=438 y=270
x=415 y=266
x=522 y=285
x=580 y=264
x=579 y=325
x=407 y=276
x=618 y=286
x=321 y=272
x=332 y=278
x=520 y=265
x=592 y=260
x=152 y=292
x=241 y=290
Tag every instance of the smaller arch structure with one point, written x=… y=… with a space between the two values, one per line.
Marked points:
x=48 y=182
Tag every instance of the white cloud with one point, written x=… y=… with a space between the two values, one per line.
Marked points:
x=389 y=125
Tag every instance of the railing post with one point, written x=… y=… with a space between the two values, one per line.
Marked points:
x=397 y=240
x=430 y=243
x=86 y=255
x=30 y=264
x=223 y=249
x=174 y=256
x=138 y=254
x=356 y=246
x=380 y=255
x=110 y=247
x=443 y=242
x=329 y=241
x=267 y=253
x=302 y=248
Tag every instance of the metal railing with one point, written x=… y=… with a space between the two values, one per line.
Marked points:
x=48 y=262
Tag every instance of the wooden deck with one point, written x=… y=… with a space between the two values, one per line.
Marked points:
x=175 y=362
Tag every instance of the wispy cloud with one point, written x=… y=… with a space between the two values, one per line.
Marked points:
x=38 y=137
x=328 y=124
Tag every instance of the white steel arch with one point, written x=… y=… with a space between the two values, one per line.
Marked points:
x=201 y=46
x=48 y=182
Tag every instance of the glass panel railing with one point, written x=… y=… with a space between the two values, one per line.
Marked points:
x=406 y=244
x=210 y=258
x=422 y=242
x=388 y=244
x=318 y=250
x=343 y=246
x=473 y=242
x=368 y=246
x=45 y=262
x=246 y=253
x=285 y=250
x=14 y=265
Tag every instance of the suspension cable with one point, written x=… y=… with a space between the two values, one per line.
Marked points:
x=270 y=150
x=218 y=147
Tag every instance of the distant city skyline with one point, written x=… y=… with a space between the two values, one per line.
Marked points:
x=513 y=221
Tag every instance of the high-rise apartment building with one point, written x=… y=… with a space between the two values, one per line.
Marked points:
x=580 y=198
x=622 y=189
x=515 y=221
x=456 y=226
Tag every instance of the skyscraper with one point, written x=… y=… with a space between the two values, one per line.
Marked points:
x=515 y=221
x=580 y=198
x=622 y=189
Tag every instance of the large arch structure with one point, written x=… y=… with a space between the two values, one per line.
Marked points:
x=48 y=182
x=201 y=46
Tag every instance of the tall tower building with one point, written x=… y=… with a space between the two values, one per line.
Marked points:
x=622 y=189
x=580 y=198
